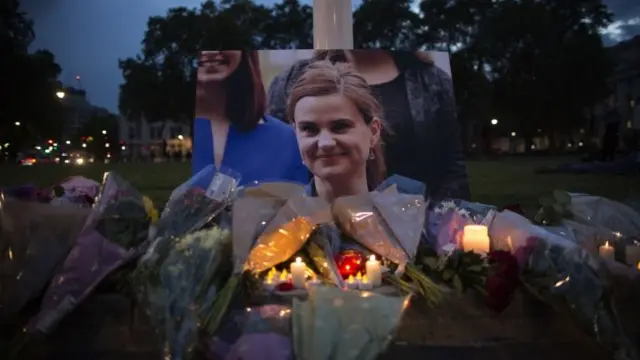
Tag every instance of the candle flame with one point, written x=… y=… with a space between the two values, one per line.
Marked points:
x=365 y=279
x=351 y=280
x=298 y=260
x=283 y=275
x=372 y=258
x=269 y=280
x=638 y=265
x=606 y=244
x=359 y=276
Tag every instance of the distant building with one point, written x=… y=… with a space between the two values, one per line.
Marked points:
x=78 y=110
x=145 y=140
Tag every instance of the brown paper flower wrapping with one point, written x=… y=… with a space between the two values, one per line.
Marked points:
x=344 y=325
x=287 y=232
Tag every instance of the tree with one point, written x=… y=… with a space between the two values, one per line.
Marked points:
x=29 y=83
x=100 y=135
x=387 y=24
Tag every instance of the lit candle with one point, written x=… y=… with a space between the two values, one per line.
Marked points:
x=298 y=273
x=351 y=282
x=607 y=252
x=374 y=272
x=269 y=282
x=284 y=277
x=476 y=238
x=365 y=284
x=632 y=253
x=638 y=265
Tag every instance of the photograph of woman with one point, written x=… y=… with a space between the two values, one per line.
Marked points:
x=231 y=129
x=422 y=140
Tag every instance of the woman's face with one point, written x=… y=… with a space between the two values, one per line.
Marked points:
x=333 y=138
x=215 y=66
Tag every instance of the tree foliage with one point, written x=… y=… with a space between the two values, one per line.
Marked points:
x=29 y=82
x=532 y=63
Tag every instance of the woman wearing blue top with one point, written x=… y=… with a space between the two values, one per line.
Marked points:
x=230 y=129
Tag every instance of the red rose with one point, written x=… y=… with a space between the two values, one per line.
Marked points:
x=502 y=281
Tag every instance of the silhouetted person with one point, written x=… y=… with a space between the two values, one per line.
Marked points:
x=611 y=137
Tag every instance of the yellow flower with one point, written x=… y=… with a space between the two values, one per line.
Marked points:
x=150 y=209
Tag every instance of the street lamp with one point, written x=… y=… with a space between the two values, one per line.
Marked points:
x=17 y=123
x=104 y=132
x=60 y=94
x=494 y=121
x=513 y=133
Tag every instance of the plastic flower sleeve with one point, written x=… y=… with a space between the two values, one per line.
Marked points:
x=344 y=325
x=34 y=239
x=262 y=332
x=405 y=215
x=600 y=212
x=287 y=232
x=183 y=286
x=192 y=206
x=115 y=228
x=359 y=218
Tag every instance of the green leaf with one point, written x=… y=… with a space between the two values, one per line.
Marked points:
x=431 y=262
x=447 y=274
x=475 y=268
x=562 y=197
x=457 y=283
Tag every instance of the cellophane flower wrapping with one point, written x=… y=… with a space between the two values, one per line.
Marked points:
x=333 y=324
x=115 y=228
x=182 y=286
x=564 y=274
x=35 y=238
x=447 y=219
x=278 y=239
x=192 y=205
x=259 y=332
x=390 y=225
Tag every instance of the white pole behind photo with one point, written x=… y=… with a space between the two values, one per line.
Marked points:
x=332 y=24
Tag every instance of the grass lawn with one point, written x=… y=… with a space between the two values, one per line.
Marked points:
x=497 y=182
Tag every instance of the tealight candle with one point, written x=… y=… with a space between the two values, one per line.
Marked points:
x=607 y=251
x=365 y=284
x=298 y=273
x=351 y=282
x=284 y=276
x=476 y=238
x=638 y=265
x=632 y=254
x=269 y=283
x=374 y=271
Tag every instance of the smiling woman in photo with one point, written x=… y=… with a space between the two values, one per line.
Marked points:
x=230 y=129
x=423 y=140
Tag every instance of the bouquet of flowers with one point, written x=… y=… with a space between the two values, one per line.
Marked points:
x=564 y=274
x=344 y=325
x=115 y=228
x=281 y=229
x=182 y=287
x=389 y=224
x=192 y=206
x=34 y=239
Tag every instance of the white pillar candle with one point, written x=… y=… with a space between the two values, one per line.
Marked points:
x=374 y=271
x=332 y=24
x=632 y=254
x=365 y=284
x=298 y=273
x=476 y=238
x=607 y=252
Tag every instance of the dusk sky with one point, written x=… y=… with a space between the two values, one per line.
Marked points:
x=88 y=37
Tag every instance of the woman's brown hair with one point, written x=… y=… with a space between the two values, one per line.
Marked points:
x=323 y=78
x=246 y=96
